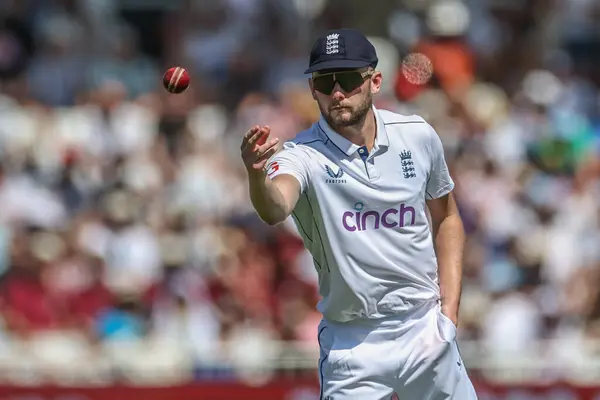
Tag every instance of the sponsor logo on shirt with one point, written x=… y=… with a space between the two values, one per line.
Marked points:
x=361 y=220
x=334 y=177
x=272 y=168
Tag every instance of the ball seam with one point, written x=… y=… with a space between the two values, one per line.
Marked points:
x=175 y=78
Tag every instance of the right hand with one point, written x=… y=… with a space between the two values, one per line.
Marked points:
x=256 y=150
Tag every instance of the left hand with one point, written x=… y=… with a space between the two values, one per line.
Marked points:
x=451 y=314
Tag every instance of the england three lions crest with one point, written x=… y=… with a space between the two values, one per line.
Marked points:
x=408 y=167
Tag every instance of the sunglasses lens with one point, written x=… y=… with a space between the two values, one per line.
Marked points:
x=348 y=81
x=324 y=83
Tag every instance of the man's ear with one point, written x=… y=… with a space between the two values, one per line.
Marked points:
x=312 y=89
x=376 y=82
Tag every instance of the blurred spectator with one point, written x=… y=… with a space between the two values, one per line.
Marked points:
x=124 y=64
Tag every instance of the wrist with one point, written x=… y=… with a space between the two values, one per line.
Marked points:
x=451 y=312
x=256 y=174
x=451 y=308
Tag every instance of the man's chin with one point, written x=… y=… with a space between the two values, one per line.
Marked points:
x=341 y=118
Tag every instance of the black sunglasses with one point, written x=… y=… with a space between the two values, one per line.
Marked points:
x=348 y=80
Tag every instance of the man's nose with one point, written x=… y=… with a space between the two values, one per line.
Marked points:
x=338 y=92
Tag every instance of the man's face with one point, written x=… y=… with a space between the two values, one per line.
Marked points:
x=345 y=96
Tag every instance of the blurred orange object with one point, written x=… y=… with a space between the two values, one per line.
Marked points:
x=453 y=63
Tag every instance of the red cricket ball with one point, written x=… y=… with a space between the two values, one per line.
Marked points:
x=176 y=80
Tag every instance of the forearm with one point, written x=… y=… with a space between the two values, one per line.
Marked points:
x=267 y=199
x=449 y=244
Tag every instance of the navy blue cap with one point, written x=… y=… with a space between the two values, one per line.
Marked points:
x=342 y=48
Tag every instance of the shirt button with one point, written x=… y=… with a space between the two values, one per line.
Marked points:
x=361 y=150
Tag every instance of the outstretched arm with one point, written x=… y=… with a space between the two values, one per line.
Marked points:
x=273 y=199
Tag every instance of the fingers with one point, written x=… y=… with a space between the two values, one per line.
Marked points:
x=251 y=132
x=255 y=148
x=267 y=150
x=260 y=164
x=262 y=138
x=256 y=135
x=249 y=135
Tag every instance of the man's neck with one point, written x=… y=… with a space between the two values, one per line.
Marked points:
x=363 y=133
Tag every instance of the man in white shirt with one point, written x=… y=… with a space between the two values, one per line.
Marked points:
x=359 y=185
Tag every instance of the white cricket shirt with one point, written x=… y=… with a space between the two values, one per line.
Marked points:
x=363 y=216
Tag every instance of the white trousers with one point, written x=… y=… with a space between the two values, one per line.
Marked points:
x=414 y=356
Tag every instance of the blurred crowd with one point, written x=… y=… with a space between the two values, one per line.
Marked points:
x=124 y=211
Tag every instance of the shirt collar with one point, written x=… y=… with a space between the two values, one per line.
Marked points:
x=349 y=148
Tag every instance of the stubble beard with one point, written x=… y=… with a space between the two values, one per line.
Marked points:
x=357 y=115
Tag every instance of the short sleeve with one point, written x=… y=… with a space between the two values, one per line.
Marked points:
x=439 y=182
x=290 y=161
